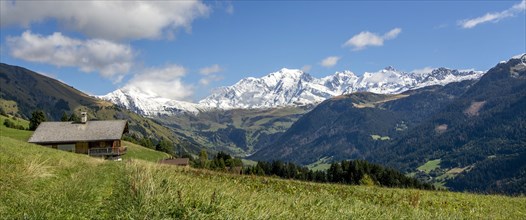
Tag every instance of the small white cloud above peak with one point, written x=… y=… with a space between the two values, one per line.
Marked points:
x=306 y=68
x=366 y=38
x=163 y=82
x=330 y=61
x=229 y=8
x=392 y=34
x=494 y=16
x=210 y=74
x=426 y=69
x=210 y=69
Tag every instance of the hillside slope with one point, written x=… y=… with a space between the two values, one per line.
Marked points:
x=482 y=132
x=345 y=127
x=41 y=183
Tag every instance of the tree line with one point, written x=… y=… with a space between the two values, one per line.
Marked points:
x=221 y=161
x=354 y=172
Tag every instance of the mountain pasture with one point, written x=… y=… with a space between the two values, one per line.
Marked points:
x=39 y=182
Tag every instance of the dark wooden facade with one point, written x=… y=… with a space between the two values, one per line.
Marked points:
x=92 y=148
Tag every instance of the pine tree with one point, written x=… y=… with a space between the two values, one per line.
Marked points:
x=64 y=117
x=37 y=117
x=203 y=159
x=74 y=117
x=165 y=146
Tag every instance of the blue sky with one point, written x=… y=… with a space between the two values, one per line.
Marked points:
x=184 y=49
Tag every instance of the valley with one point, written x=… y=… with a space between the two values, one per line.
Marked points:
x=240 y=132
x=403 y=131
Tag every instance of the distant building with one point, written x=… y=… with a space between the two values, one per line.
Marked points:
x=176 y=161
x=95 y=138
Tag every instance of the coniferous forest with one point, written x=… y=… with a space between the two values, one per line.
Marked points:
x=352 y=172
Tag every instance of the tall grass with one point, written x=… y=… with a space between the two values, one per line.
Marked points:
x=41 y=183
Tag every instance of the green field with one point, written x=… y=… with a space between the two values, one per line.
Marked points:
x=321 y=165
x=42 y=183
x=429 y=166
x=139 y=152
x=14 y=133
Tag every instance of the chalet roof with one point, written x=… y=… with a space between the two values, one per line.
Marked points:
x=67 y=132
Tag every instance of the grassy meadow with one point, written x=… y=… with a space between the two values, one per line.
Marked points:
x=42 y=183
x=430 y=166
x=14 y=133
x=142 y=153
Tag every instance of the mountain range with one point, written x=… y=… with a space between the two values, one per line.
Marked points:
x=468 y=135
x=288 y=87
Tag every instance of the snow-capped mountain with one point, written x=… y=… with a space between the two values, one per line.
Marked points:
x=282 y=88
x=391 y=81
x=294 y=87
x=135 y=100
x=290 y=87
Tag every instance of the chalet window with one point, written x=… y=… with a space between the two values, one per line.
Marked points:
x=67 y=147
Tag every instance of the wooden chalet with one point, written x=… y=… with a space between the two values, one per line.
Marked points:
x=95 y=138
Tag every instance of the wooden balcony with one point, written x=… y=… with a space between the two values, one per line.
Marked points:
x=107 y=151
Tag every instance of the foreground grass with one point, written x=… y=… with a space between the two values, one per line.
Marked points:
x=37 y=183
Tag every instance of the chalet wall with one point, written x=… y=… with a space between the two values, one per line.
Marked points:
x=81 y=147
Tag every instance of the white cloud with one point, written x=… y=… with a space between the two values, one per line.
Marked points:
x=162 y=82
x=110 y=59
x=392 y=34
x=440 y=26
x=209 y=73
x=330 y=61
x=230 y=9
x=366 y=38
x=205 y=81
x=108 y=19
x=306 y=68
x=426 y=69
x=467 y=70
x=494 y=17
x=210 y=69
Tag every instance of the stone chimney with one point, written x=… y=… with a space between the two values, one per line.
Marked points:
x=83 y=117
